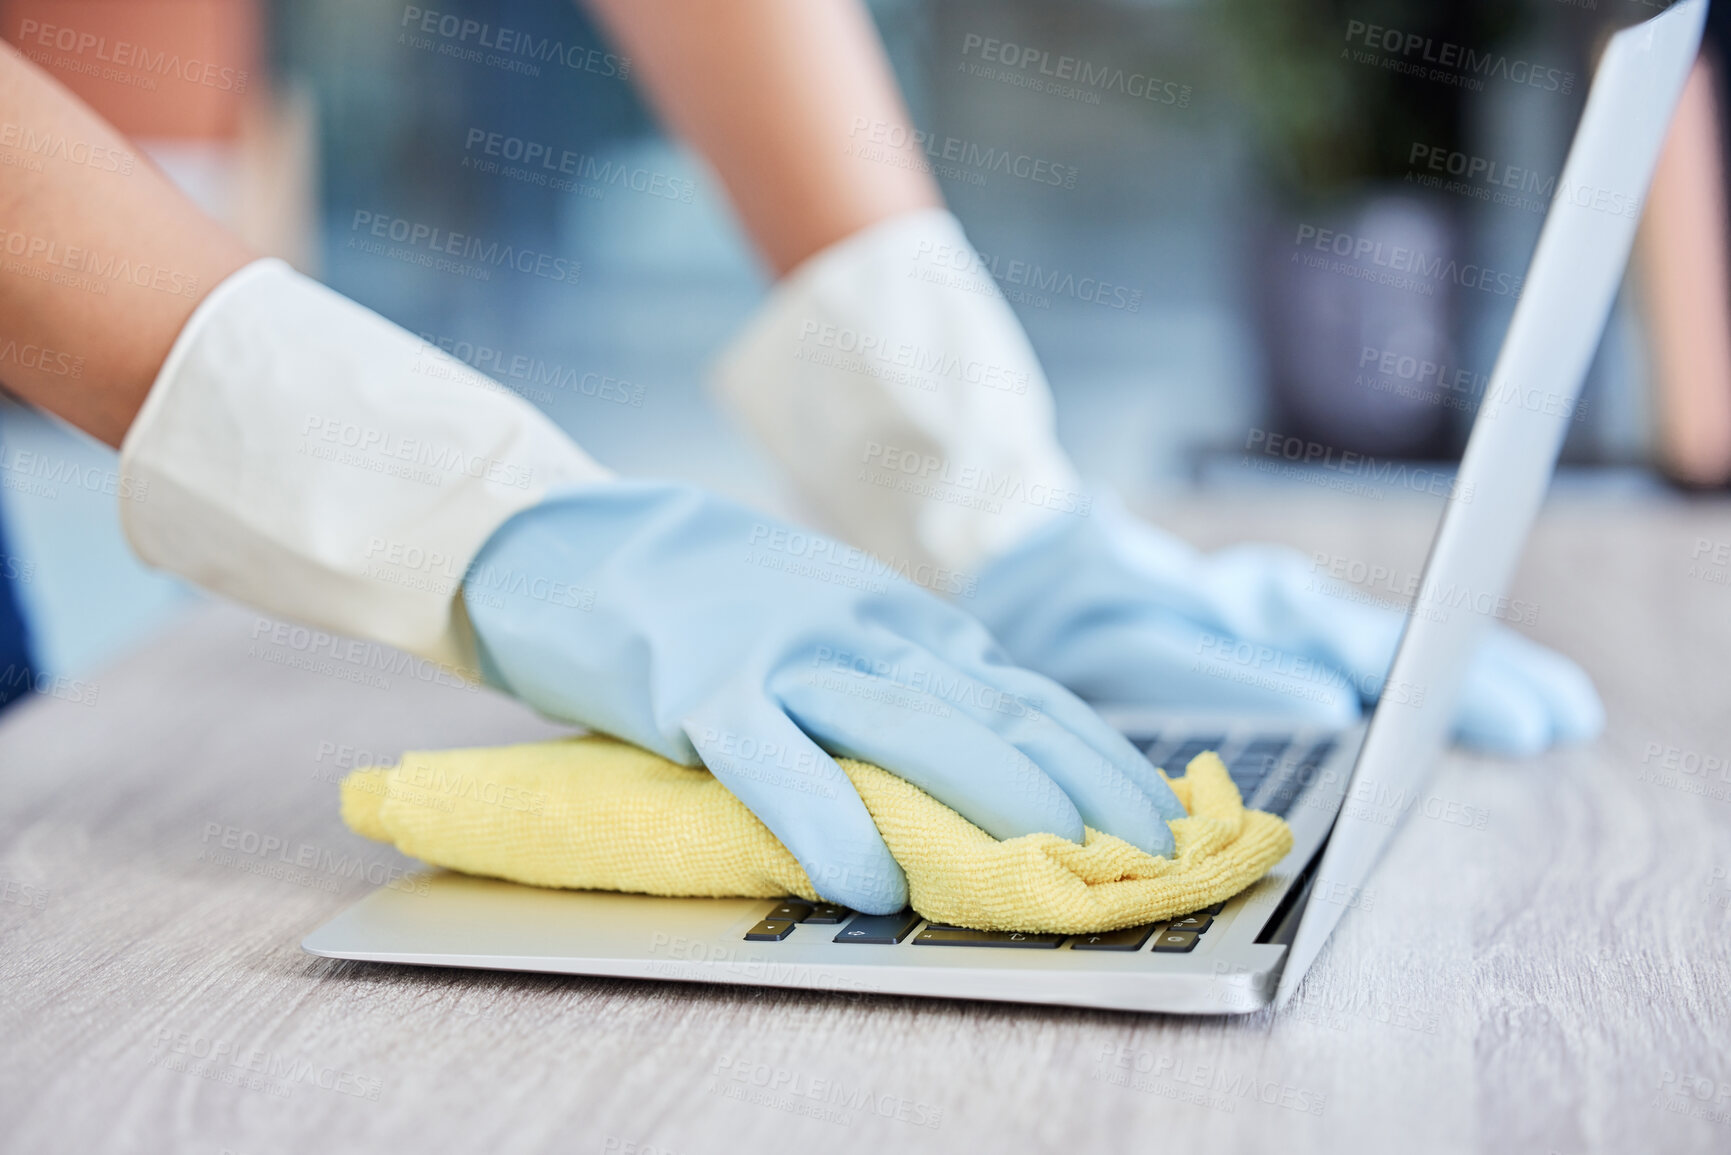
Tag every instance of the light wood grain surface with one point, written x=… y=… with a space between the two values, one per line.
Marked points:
x=1555 y=977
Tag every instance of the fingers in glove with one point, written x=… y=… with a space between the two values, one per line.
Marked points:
x=798 y=791
x=1105 y=796
x=933 y=745
x=1500 y=713
x=1169 y=663
x=1079 y=718
x=1573 y=705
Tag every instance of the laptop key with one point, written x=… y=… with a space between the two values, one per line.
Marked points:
x=936 y=935
x=1195 y=923
x=770 y=930
x=1178 y=759
x=828 y=912
x=1175 y=941
x=1253 y=764
x=1130 y=938
x=793 y=910
x=1290 y=785
x=884 y=929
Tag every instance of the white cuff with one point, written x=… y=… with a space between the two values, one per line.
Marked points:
x=891 y=378
x=302 y=454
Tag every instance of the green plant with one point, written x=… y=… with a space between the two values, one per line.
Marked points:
x=1331 y=121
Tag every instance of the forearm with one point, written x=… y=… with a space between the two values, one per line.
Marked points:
x=1684 y=249
x=99 y=269
x=772 y=92
x=299 y=453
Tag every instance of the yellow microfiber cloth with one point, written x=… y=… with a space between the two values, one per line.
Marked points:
x=594 y=813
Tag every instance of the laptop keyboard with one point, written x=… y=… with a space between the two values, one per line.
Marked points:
x=1283 y=792
x=1251 y=766
x=1179 y=756
x=1270 y=770
x=1174 y=936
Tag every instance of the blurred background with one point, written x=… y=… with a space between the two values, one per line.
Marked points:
x=1188 y=290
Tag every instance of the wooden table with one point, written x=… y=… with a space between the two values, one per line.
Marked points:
x=1554 y=976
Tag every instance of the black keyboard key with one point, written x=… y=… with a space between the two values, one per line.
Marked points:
x=1145 y=742
x=1175 y=942
x=885 y=929
x=1130 y=938
x=1215 y=909
x=793 y=910
x=1175 y=762
x=770 y=930
x=1253 y=764
x=1196 y=923
x=1294 y=782
x=1248 y=780
x=936 y=935
x=828 y=912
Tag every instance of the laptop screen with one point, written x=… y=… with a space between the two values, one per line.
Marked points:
x=1570 y=286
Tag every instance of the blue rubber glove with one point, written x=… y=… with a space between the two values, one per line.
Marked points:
x=708 y=633
x=1126 y=614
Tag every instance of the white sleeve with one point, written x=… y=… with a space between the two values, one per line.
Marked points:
x=302 y=454
x=891 y=378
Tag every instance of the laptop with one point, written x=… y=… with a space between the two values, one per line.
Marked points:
x=1254 y=950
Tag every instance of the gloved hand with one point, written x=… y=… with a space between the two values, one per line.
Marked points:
x=304 y=455
x=708 y=633
x=1125 y=613
x=891 y=378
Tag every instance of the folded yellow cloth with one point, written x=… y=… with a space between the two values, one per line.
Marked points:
x=593 y=813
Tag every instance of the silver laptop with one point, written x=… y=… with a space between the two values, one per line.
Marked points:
x=1255 y=949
